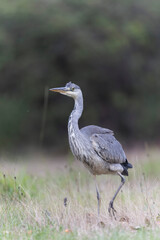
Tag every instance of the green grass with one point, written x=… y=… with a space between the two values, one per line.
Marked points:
x=32 y=201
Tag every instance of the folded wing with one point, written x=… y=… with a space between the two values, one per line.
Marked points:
x=108 y=148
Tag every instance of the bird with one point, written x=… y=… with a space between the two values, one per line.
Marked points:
x=94 y=146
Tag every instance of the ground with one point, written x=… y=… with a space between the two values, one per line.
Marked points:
x=48 y=197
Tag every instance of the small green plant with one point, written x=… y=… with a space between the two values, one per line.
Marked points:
x=9 y=187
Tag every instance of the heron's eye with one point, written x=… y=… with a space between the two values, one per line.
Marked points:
x=72 y=88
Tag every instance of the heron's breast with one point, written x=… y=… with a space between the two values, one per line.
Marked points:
x=79 y=146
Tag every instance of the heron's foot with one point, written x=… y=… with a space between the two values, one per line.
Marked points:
x=111 y=210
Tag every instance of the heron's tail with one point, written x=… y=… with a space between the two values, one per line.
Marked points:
x=125 y=166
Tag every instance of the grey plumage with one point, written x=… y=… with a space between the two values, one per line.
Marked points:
x=108 y=148
x=95 y=147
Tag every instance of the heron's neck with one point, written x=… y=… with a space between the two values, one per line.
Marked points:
x=75 y=136
x=78 y=108
x=76 y=113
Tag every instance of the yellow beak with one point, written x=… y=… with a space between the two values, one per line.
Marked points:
x=60 y=89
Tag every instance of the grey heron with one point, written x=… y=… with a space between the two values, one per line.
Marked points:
x=94 y=146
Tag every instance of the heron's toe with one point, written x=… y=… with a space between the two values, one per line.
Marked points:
x=112 y=211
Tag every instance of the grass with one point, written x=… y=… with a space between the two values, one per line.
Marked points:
x=33 y=194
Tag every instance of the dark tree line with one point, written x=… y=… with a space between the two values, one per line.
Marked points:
x=109 y=48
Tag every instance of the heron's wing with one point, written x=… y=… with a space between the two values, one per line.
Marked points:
x=108 y=148
x=92 y=129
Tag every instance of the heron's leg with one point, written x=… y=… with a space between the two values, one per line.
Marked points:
x=111 y=202
x=98 y=196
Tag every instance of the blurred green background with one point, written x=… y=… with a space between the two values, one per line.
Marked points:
x=109 y=48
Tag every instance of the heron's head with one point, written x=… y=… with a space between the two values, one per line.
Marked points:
x=70 y=90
